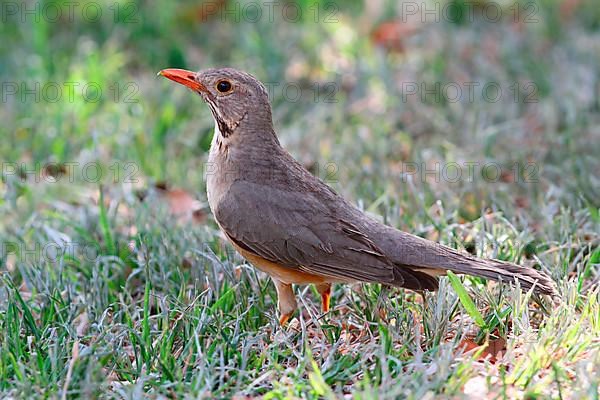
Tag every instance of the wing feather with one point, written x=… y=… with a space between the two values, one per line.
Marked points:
x=305 y=235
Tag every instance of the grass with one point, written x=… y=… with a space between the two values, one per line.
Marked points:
x=104 y=292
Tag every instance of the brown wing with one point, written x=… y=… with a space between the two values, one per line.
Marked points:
x=297 y=231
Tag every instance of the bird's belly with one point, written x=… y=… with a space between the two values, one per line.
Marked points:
x=280 y=272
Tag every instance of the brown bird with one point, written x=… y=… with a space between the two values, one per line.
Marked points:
x=294 y=227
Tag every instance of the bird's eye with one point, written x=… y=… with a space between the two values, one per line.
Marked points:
x=224 y=86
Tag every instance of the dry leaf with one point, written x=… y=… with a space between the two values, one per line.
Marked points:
x=492 y=350
x=391 y=34
x=182 y=204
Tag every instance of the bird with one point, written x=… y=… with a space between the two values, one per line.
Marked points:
x=291 y=225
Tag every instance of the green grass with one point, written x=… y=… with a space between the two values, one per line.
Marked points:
x=105 y=293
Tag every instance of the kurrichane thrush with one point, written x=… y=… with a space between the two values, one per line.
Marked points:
x=294 y=227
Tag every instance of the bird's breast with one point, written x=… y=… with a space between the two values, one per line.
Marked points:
x=219 y=171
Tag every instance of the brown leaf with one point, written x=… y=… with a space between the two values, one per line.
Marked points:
x=467 y=345
x=209 y=10
x=492 y=349
x=180 y=201
x=183 y=205
x=495 y=348
x=391 y=34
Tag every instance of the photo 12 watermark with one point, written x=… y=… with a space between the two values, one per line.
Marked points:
x=71 y=172
x=54 y=12
x=28 y=92
x=52 y=252
x=468 y=11
x=469 y=171
x=269 y=11
x=468 y=92
x=294 y=92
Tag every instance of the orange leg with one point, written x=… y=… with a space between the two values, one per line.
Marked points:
x=284 y=318
x=324 y=290
x=286 y=300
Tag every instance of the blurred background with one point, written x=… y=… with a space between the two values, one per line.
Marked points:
x=80 y=85
x=382 y=99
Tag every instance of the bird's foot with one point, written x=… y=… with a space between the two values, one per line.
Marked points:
x=284 y=318
x=324 y=290
x=286 y=301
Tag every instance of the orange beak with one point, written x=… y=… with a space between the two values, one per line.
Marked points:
x=186 y=78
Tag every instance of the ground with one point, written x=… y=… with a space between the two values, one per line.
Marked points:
x=478 y=132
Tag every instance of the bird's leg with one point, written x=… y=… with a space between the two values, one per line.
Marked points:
x=324 y=290
x=286 y=300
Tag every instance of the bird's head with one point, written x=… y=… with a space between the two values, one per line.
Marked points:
x=235 y=98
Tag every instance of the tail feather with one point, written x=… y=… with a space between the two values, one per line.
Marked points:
x=507 y=272
x=417 y=257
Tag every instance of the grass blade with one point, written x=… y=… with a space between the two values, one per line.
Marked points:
x=465 y=300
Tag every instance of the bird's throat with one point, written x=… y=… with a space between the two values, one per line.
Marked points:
x=221 y=127
x=219 y=142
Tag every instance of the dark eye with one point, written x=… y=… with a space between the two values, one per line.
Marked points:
x=224 y=86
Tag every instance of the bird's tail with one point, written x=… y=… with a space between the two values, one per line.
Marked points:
x=506 y=272
x=421 y=257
